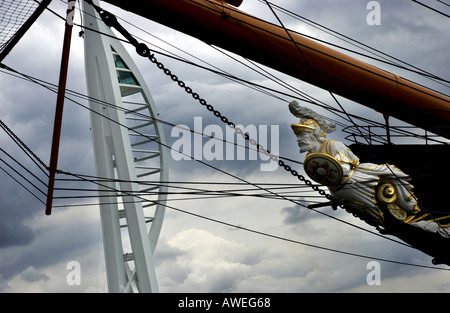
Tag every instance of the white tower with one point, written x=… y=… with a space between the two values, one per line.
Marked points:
x=129 y=155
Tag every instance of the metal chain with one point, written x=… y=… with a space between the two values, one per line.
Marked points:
x=145 y=52
x=142 y=50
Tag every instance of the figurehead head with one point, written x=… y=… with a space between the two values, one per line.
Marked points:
x=310 y=121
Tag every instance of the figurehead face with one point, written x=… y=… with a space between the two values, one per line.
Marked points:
x=312 y=128
x=309 y=135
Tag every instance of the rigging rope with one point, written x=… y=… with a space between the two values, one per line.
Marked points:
x=142 y=49
x=264 y=233
x=383 y=57
x=294 y=175
x=246 y=138
x=313 y=68
x=53 y=88
x=431 y=8
x=300 y=177
x=270 y=90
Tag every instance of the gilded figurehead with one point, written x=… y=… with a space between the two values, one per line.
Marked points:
x=373 y=192
x=311 y=130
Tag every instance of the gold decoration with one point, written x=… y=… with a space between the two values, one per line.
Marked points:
x=397 y=212
x=323 y=169
x=306 y=126
x=386 y=193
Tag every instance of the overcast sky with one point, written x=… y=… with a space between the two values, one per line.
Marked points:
x=195 y=254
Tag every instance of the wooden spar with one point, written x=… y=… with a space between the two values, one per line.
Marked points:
x=220 y=24
x=59 y=106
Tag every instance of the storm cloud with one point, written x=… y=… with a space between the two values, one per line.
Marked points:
x=195 y=254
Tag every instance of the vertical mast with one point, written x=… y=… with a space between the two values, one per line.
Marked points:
x=60 y=104
x=127 y=146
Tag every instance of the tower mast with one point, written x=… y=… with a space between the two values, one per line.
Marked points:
x=127 y=147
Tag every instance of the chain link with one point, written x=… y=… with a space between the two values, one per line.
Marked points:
x=225 y=120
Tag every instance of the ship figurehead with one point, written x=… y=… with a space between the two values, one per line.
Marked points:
x=311 y=134
x=376 y=193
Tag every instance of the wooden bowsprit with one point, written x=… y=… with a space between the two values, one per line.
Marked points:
x=60 y=105
x=219 y=24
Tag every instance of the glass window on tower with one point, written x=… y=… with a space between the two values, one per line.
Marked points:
x=127 y=78
x=119 y=62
